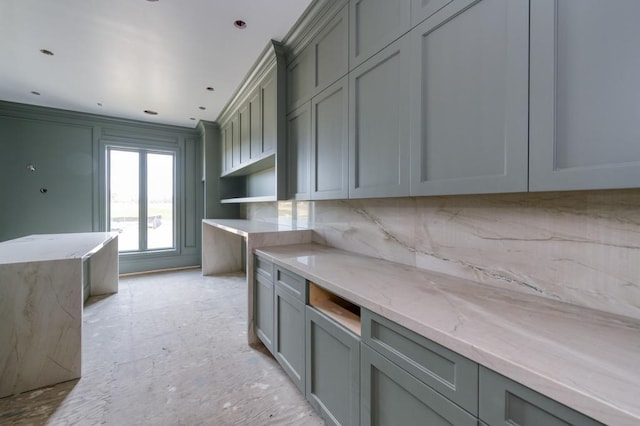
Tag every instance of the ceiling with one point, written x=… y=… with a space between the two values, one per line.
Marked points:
x=121 y=57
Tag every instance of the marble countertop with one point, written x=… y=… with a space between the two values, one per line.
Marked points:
x=44 y=247
x=244 y=227
x=586 y=359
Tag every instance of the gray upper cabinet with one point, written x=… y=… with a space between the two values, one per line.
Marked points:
x=255 y=125
x=422 y=9
x=299 y=152
x=469 y=125
x=329 y=142
x=322 y=62
x=585 y=64
x=235 y=141
x=244 y=117
x=374 y=24
x=379 y=124
x=269 y=107
x=504 y=402
x=227 y=146
x=300 y=79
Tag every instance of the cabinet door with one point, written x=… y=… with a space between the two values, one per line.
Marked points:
x=244 y=125
x=288 y=336
x=469 y=106
x=235 y=141
x=504 y=402
x=391 y=396
x=379 y=124
x=300 y=79
x=375 y=24
x=255 y=125
x=585 y=64
x=263 y=310
x=299 y=147
x=422 y=9
x=331 y=53
x=227 y=147
x=269 y=108
x=332 y=369
x=329 y=142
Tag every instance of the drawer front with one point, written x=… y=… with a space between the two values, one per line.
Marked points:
x=263 y=267
x=452 y=375
x=391 y=396
x=505 y=402
x=291 y=283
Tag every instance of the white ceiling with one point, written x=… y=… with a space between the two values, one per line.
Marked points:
x=133 y=55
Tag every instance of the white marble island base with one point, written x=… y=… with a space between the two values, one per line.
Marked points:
x=41 y=300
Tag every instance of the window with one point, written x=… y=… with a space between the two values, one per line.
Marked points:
x=141 y=198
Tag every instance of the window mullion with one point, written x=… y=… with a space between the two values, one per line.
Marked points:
x=143 y=201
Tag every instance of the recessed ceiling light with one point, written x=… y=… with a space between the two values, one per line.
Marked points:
x=202 y=108
x=99 y=104
x=240 y=24
x=33 y=92
x=192 y=119
x=150 y=112
x=151 y=0
x=211 y=89
x=46 y=52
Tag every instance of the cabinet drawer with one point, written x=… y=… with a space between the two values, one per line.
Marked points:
x=263 y=267
x=452 y=375
x=291 y=283
x=505 y=402
x=391 y=396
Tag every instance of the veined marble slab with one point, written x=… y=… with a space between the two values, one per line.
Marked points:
x=222 y=250
x=588 y=360
x=41 y=299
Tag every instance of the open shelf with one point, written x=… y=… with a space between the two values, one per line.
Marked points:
x=249 y=199
x=335 y=307
x=255 y=166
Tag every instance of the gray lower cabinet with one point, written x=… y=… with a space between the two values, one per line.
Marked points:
x=505 y=402
x=391 y=396
x=469 y=130
x=329 y=142
x=379 y=110
x=585 y=106
x=289 y=326
x=263 y=305
x=374 y=24
x=447 y=372
x=332 y=369
x=299 y=153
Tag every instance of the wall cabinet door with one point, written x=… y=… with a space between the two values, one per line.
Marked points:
x=584 y=131
x=227 y=147
x=244 y=125
x=300 y=79
x=422 y=9
x=289 y=335
x=470 y=102
x=504 y=402
x=329 y=142
x=269 y=109
x=299 y=156
x=391 y=396
x=379 y=124
x=375 y=24
x=255 y=124
x=263 y=309
x=235 y=141
x=332 y=369
x=331 y=51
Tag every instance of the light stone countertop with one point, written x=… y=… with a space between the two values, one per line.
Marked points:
x=244 y=227
x=586 y=359
x=45 y=247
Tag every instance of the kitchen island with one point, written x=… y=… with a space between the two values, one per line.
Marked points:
x=44 y=280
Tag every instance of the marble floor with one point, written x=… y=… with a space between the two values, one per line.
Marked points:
x=168 y=349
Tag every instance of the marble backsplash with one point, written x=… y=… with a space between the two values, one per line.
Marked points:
x=578 y=247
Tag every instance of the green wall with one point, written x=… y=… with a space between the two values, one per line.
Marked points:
x=67 y=149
